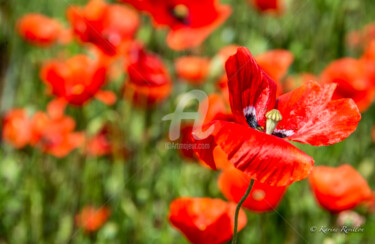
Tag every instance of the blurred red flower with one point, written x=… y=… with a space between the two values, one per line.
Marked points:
x=16 y=128
x=190 y=21
x=91 y=219
x=352 y=81
x=338 y=189
x=76 y=80
x=148 y=81
x=205 y=220
x=309 y=115
x=99 y=144
x=233 y=184
x=39 y=29
x=108 y=26
x=276 y=64
x=55 y=135
x=275 y=6
x=192 y=69
x=294 y=81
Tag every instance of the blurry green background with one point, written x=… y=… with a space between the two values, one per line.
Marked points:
x=39 y=194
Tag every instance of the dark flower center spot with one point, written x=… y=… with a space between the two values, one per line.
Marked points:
x=181 y=13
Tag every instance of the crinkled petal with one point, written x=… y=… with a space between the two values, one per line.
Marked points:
x=311 y=116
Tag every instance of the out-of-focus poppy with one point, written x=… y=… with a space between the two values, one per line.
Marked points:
x=233 y=184
x=90 y=219
x=352 y=81
x=276 y=64
x=274 y=6
x=255 y=142
x=99 y=144
x=16 y=128
x=39 y=29
x=148 y=81
x=292 y=82
x=190 y=21
x=205 y=220
x=108 y=26
x=338 y=189
x=76 y=80
x=55 y=135
x=192 y=69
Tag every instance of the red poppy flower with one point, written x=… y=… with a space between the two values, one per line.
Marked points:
x=193 y=69
x=190 y=21
x=16 y=128
x=338 y=189
x=55 y=135
x=91 y=219
x=352 y=81
x=148 y=80
x=205 y=220
x=108 y=26
x=309 y=115
x=76 y=80
x=275 y=6
x=39 y=29
x=233 y=184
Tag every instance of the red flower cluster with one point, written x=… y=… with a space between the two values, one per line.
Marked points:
x=109 y=26
x=52 y=133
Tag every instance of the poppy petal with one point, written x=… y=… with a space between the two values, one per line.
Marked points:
x=251 y=91
x=263 y=157
x=310 y=116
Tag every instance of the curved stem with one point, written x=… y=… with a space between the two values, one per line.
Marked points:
x=234 y=239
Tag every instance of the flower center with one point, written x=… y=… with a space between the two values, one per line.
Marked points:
x=181 y=12
x=273 y=117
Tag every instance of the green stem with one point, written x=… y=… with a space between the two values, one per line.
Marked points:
x=234 y=239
